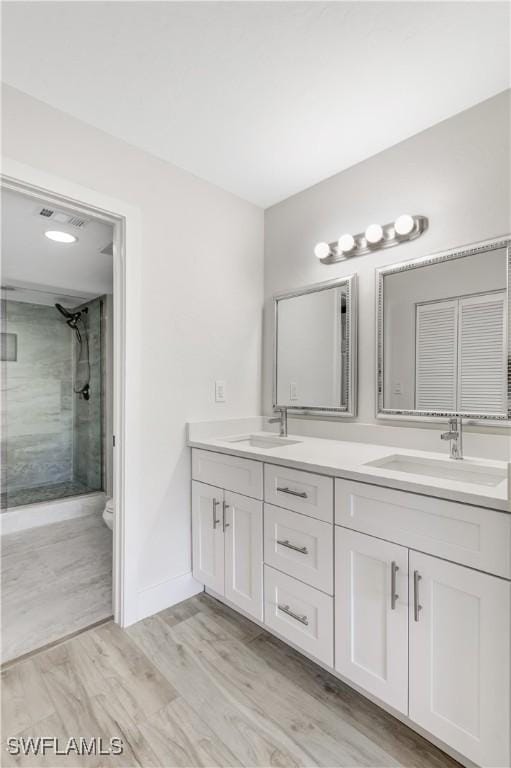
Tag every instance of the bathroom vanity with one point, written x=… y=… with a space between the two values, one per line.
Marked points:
x=390 y=567
x=371 y=571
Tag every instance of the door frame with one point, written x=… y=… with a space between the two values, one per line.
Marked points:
x=125 y=220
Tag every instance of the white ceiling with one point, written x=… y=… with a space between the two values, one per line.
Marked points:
x=31 y=261
x=261 y=98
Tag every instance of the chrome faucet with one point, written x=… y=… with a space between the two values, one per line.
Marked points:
x=282 y=419
x=455 y=435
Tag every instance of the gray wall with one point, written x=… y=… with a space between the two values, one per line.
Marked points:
x=456 y=173
x=37 y=400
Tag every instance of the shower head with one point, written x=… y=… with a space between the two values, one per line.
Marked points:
x=71 y=317
x=65 y=312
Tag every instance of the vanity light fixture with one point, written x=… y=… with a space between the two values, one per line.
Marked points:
x=376 y=236
x=345 y=244
x=404 y=224
x=60 y=237
x=322 y=251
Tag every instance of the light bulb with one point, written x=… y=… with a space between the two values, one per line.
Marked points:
x=60 y=237
x=374 y=234
x=404 y=224
x=346 y=243
x=322 y=250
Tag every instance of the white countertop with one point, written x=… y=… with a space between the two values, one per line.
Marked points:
x=348 y=460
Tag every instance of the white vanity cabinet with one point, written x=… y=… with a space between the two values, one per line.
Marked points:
x=406 y=596
x=460 y=657
x=208 y=536
x=244 y=553
x=441 y=653
x=228 y=545
x=371 y=608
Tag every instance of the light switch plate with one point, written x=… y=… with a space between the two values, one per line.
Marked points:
x=219 y=391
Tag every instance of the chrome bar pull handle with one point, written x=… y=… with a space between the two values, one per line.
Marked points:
x=225 y=507
x=394 y=568
x=296 y=616
x=300 y=494
x=215 y=505
x=286 y=543
x=417 y=607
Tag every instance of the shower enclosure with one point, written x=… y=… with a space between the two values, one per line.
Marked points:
x=53 y=399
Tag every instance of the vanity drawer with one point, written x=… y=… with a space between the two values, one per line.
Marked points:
x=300 y=614
x=473 y=536
x=300 y=546
x=303 y=492
x=230 y=472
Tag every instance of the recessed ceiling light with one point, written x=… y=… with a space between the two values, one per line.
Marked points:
x=60 y=237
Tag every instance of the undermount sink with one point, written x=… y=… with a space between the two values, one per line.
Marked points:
x=262 y=441
x=465 y=471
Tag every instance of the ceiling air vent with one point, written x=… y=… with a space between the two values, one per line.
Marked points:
x=47 y=213
x=78 y=222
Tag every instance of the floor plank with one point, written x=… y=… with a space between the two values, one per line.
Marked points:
x=27 y=697
x=252 y=739
x=392 y=735
x=252 y=683
x=180 y=738
x=198 y=685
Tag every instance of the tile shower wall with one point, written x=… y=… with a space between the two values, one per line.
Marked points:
x=37 y=401
x=88 y=414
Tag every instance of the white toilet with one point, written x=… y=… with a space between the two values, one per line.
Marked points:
x=108 y=512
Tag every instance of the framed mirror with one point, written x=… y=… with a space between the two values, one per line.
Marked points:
x=314 y=366
x=442 y=335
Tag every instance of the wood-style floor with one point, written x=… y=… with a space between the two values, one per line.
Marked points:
x=198 y=685
x=56 y=579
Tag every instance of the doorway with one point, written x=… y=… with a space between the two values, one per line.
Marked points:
x=62 y=278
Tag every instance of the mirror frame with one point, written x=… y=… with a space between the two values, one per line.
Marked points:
x=436 y=258
x=350 y=409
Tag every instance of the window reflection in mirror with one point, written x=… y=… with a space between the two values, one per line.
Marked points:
x=444 y=336
x=313 y=357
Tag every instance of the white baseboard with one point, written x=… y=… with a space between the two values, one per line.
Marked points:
x=155 y=599
x=46 y=512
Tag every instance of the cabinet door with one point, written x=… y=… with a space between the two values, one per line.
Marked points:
x=243 y=523
x=371 y=615
x=460 y=657
x=208 y=536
